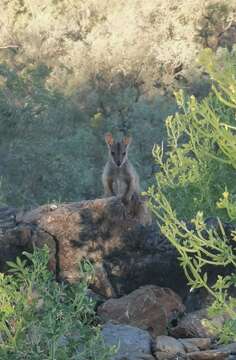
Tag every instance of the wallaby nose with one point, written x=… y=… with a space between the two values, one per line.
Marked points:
x=118 y=163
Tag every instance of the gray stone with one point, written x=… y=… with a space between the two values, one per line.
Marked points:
x=229 y=347
x=159 y=355
x=168 y=344
x=132 y=343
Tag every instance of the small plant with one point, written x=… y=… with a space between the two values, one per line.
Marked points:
x=196 y=180
x=42 y=319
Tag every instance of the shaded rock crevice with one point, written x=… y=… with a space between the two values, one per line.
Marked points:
x=55 y=263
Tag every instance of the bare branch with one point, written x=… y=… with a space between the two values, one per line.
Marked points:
x=9 y=47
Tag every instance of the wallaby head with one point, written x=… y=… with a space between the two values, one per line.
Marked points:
x=118 y=151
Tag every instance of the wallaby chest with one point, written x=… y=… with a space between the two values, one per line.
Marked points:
x=120 y=178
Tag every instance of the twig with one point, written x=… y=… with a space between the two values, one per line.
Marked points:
x=9 y=47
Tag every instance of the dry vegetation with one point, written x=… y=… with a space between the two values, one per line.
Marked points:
x=80 y=68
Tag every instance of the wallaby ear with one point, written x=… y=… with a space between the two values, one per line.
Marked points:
x=127 y=140
x=109 y=139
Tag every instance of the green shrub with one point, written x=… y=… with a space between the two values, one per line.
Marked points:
x=196 y=180
x=42 y=319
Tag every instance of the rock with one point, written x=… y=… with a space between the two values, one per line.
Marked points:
x=134 y=343
x=9 y=243
x=149 y=307
x=208 y=355
x=7 y=218
x=18 y=237
x=229 y=347
x=164 y=356
x=168 y=346
x=196 y=344
x=127 y=251
x=196 y=324
x=188 y=346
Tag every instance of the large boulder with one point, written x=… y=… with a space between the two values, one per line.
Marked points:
x=131 y=343
x=126 y=249
x=149 y=307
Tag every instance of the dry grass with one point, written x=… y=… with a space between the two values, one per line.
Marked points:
x=84 y=67
x=79 y=39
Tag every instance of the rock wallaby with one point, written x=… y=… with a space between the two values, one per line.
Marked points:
x=119 y=176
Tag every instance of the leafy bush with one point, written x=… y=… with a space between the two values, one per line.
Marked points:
x=196 y=180
x=42 y=319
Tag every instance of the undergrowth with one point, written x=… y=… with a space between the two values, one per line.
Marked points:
x=42 y=319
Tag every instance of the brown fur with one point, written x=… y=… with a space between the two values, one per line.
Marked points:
x=119 y=176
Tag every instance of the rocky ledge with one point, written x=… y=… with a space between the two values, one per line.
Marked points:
x=126 y=249
x=143 y=300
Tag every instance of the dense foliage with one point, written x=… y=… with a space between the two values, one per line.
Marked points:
x=42 y=319
x=196 y=180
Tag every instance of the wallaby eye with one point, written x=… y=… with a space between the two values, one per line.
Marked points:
x=112 y=153
x=124 y=153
